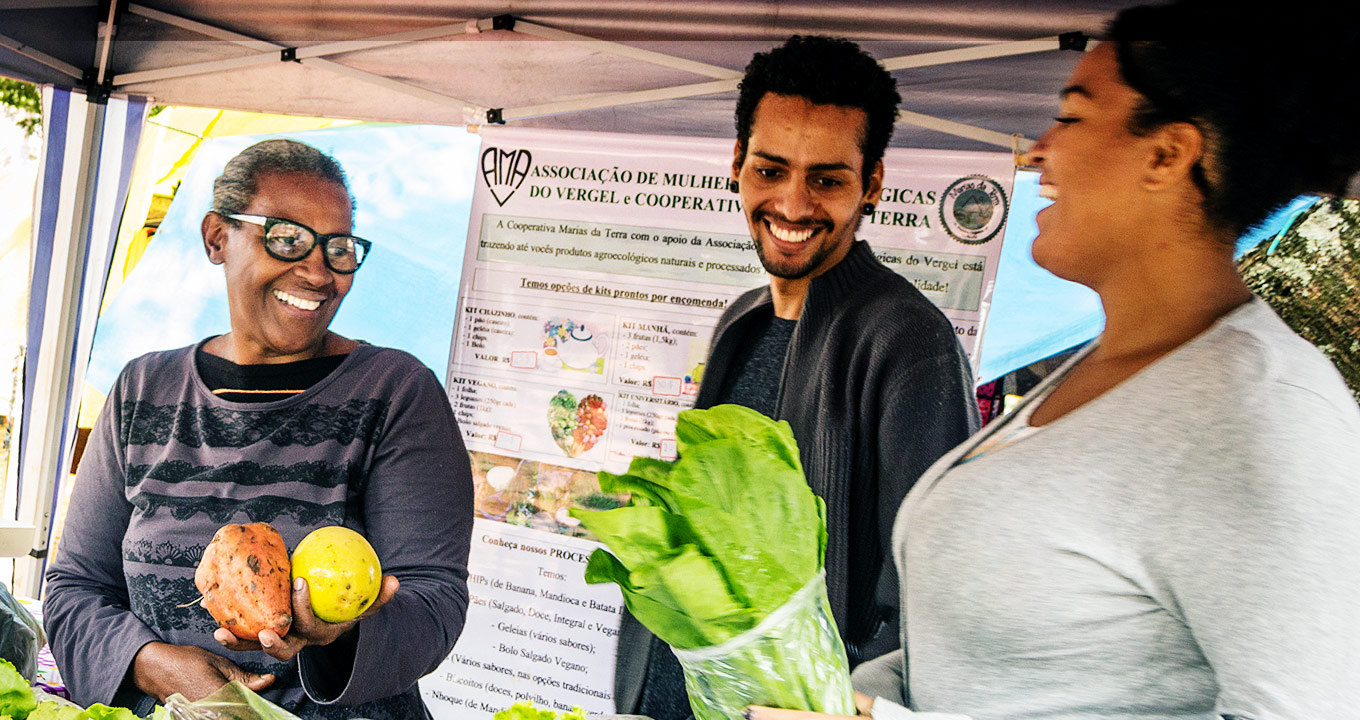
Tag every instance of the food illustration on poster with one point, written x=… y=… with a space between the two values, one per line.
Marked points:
x=576 y=424
x=536 y=495
x=573 y=345
x=593 y=278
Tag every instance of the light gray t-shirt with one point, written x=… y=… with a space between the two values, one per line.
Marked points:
x=1187 y=545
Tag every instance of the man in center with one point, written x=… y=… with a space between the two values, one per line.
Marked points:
x=866 y=370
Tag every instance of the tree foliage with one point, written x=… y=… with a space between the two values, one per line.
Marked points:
x=1311 y=277
x=24 y=98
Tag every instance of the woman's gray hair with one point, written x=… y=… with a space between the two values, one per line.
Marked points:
x=235 y=187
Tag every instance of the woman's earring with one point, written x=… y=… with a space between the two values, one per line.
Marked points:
x=732 y=185
x=868 y=209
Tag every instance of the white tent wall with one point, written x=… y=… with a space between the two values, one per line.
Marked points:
x=973 y=76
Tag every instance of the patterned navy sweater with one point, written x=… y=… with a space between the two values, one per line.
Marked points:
x=373 y=446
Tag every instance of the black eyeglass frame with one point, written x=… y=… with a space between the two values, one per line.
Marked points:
x=268 y=223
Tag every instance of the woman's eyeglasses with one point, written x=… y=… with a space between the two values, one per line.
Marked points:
x=291 y=241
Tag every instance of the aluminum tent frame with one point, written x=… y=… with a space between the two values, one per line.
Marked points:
x=611 y=65
x=973 y=77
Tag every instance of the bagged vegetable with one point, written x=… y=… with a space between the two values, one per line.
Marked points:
x=233 y=701
x=21 y=636
x=720 y=555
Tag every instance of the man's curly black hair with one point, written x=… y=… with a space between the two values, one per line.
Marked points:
x=824 y=71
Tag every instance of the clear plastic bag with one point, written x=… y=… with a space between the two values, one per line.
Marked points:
x=20 y=636
x=233 y=701
x=793 y=659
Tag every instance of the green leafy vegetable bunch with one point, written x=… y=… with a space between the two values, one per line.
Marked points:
x=712 y=543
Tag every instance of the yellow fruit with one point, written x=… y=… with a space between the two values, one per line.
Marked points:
x=342 y=572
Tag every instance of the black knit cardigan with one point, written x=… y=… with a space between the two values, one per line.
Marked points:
x=876 y=387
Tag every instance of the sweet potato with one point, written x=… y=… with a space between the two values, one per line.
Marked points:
x=245 y=580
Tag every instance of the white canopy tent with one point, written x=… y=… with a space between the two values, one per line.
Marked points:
x=973 y=76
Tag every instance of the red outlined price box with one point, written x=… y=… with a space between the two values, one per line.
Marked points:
x=508 y=441
x=523 y=359
x=668 y=449
x=667 y=386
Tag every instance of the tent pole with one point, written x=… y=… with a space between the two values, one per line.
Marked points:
x=713 y=87
x=972 y=132
x=270 y=53
x=269 y=50
x=41 y=57
x=628 y=51
x=46 y=431
x=106 y=43
x=976 y=52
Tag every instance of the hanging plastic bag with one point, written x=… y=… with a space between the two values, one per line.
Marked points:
x=20 y=635
x=792 y=659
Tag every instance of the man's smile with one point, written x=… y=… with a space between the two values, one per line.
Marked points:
x=789 y=232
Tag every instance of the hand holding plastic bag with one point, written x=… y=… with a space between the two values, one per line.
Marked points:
x=233 y=702
x=720 y=555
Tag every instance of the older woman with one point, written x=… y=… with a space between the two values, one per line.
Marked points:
x=1167 y=527
x=279 y=420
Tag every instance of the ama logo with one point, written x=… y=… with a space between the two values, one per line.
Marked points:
x=504 y=171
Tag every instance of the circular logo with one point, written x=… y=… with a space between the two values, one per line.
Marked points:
x=973 y=209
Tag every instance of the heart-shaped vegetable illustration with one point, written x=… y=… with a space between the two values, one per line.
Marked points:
x=576 y=425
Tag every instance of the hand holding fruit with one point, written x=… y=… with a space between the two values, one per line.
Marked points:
x=244 y=577
x=307 y=628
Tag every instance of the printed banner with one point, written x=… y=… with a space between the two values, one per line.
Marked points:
x=595 y=271
x=535 y=630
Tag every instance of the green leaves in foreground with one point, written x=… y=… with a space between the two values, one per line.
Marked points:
x=17 y=701
x=526 y=711
x=16 y=697
x=712 y=543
